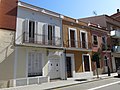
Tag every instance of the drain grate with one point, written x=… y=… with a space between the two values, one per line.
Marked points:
x=80 y=79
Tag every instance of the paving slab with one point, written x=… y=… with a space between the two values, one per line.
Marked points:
x=60 y=83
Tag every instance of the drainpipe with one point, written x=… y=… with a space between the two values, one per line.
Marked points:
x=61 y=17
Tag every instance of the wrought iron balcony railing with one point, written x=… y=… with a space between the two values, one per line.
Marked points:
x=41 y=39
x=115 y=33
x=116 y=49
x=78 y=44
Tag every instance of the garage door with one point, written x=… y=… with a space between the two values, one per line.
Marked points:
x=54 y=68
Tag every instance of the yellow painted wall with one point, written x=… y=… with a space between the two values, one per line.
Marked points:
x=6 y=54
x=66 y=26
x=78 y=59
x=77 y=54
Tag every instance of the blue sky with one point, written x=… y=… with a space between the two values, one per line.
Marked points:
x=78 y=8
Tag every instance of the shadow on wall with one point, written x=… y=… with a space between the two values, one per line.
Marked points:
x=12 y=12
x=7 y=63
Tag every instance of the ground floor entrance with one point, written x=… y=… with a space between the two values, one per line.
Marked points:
x=54 y=67
x=86 y=63
x=117 y=62
x=69 y=67
x=78 y=64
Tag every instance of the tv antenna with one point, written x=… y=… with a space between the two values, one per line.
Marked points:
x=95 y=13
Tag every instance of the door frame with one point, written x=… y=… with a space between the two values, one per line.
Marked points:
x=86 y=38
x=73 y=29
x=72 y=64
x=89 y=62
x=54 y=56
x=27 y=30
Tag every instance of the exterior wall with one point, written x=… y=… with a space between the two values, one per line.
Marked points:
x=116 y=16
x=108 y=54
x=8 y=9
x=99 y=34
x=77 y=52
x=21 y=70
x=6 y=54
x=42 y=17
x=66 y=26
x=96 y=20
x=103 y=53
x=22 y=61
x=78 y=59
x=113 y=60
x=103 y=20
x=39 y=17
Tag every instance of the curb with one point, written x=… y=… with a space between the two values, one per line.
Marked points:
x=80 y=82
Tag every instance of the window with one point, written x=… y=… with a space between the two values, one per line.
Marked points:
x=34 y=64
x=31 y=31
x=84 y=40
x=83 y=36
x=95 y=40
x=104 y=40
x=104 y=44
x=72 y=37
x=51 y=35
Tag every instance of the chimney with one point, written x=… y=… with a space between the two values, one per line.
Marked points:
x=118 y=10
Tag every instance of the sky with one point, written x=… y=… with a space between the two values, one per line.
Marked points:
x=78 y=8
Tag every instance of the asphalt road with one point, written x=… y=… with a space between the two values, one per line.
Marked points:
x=105 y=84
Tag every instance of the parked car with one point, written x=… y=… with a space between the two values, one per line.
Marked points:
x=118 y=71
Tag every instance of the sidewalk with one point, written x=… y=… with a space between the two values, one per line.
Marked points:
x=60 y=83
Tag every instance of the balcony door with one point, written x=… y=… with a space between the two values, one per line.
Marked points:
x=31 y=31
x=84 y=40
x=72 y=37
x=51 y=35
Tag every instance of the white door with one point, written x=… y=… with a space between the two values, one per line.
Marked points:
x=54 y=68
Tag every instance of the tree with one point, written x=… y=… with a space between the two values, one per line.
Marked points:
x=95 y=58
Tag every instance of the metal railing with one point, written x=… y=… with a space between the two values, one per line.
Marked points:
x=116 y=49
x=78 y=44
x=41 y=39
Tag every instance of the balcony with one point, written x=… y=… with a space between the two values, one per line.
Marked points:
x=78 y=44
x=105 y=47
x=115 y=33
x=116 y=49
x=39 y=39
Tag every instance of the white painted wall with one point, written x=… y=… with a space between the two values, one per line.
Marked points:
x=41 y=19
x=21 y=67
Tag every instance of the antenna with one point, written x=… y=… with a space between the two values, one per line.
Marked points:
x=95 y=13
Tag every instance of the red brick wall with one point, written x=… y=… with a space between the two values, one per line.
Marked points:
x=8 y=13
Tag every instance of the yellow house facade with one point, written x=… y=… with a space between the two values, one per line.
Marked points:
x=77 y=44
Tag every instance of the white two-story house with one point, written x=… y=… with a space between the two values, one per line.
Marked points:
x=38 y=43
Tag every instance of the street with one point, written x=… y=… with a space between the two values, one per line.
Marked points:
x=106 y=84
